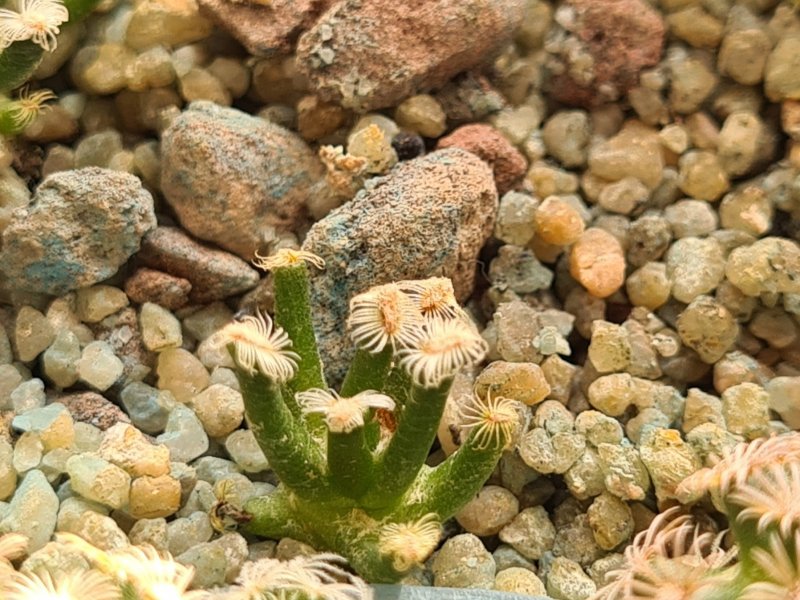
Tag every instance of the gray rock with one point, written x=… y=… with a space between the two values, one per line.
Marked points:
x=80 y=228
x=235 y=179
x=428 y=216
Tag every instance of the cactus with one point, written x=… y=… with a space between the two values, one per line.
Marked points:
x=25 y=34
x=353 y=474
x=756 y=486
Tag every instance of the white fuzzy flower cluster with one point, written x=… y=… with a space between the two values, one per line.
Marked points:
x=35 y=20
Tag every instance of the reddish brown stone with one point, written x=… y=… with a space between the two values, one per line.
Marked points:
x=368 y=55
x=149 y=285
x=507 y=163
x=623 y=37
x=214 y=274
x=267 y=28
x=92 y=408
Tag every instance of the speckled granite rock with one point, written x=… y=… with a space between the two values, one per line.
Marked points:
x=92 y=408
x=414 y=45
x=80 y=228
x=234 y=179
x=428 y=216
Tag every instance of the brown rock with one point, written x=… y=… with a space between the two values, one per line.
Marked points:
x=121 y=330
x=214 y=274
x=489 y=145
x=234 y=179
x=622 y=36
x=368 y=55
x=429 y=216
x=92 y=408
x=149 y=285
x=268 y=28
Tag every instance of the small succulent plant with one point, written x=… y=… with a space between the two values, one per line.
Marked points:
x=352 y=463
x=28 y=28
x=682 y=556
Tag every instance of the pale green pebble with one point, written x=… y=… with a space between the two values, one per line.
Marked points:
x=566 y=580
x=613 y=394
x=691 y=218
x=288 y=549
x=33 y=333
x=623 y=196
x=213 y=355
x=10 y=378
x=421 y=114
x=531 y=533
x=708 y=328
x=575 y=540
x=611 y=521
x=514 y=473
x=213 y=468
x=695 y=266
x=505 y=557
x=517 y=580
x=87 y=437
x=147 y=163
x=668 y=458
x=72 y=510
x=97 y=479
x=54 y=463
x=546 y=454
x=674 y=138
x=746 y=409
x=519 y=270
x=517 y=324
x=160 y=328
x=180 y=372
x=517 y=123
x=603 y=566
x=701 y=408
x=98 y=366
x=791 y=304
x=218 y=562
x=28 y=395
x=152 y=532
x=585 y=478
x=747 y=209
x=770 y=264
x=100 y=69
x=28 y=452
x=53 y=423
x=710 y=442
x=200 y=499
x=225 y=376
x=96 y=150
x=184 y=435
x=151 y=69
x=148 y=407
x=62 y=316
x=185 y=475
x=625 y=474
x=185 y=532
x=554 y=417
x=8 y=474
x=701 y=175
x=60 y=360
x=489 y=511
x=463 y=562
x=609 y=349
x=516 y=218
x=784 y=399
x=551 y=181
x=220 y=409
x=646 y=418
x=101 y=531
x=566 y=136
x=235 y=488
x=243 y=448
x=32 y=511
x=56 y=559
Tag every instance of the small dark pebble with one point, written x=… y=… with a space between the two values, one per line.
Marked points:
x=408 y=145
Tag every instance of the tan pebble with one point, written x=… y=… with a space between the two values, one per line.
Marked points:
x=597 y=261
x=557 y=222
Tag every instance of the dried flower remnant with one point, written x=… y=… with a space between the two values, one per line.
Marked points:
x=447 y=346
x=342 y=415
x=260 y=346
x=384 y=315
x=287 y=257
x=36 y=20
x=493 y=420
x=434 y=297
x=770 y=496
x=12 y=546
x=409 y=544
x=320 y=577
